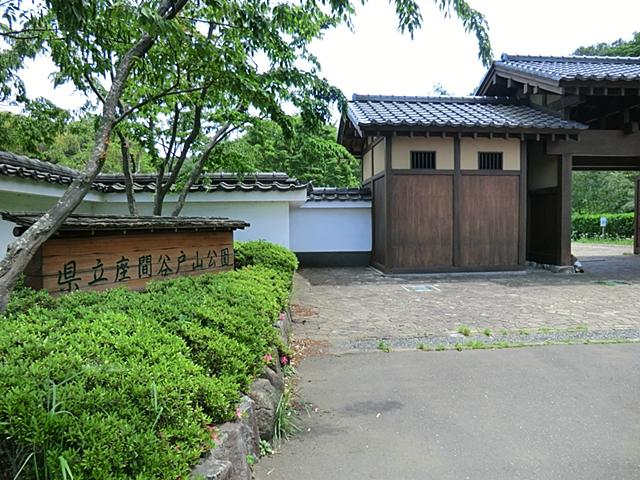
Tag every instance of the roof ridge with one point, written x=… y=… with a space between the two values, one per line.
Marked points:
x=432 y=99
x=28 y=162
x=569 y=58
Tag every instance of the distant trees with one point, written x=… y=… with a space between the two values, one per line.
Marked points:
x=310 y=154
x=619 y=48
x=46 y=132
x=603 y=192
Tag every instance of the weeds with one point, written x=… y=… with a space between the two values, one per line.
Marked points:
x=487 y=332
x=464 y=330
x=265 y=448
x=382 y=345
x=286 y=423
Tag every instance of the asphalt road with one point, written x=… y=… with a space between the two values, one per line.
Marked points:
x=556 y=412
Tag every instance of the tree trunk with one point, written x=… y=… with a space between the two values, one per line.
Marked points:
x=197 y=169
x=22 y=250
x=126 y=170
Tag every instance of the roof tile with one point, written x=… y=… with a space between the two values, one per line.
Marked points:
x=452 y=112
x=584 y=68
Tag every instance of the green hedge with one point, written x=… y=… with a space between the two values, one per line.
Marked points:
x=268 y=254
x=123 y=385
x=619 y=225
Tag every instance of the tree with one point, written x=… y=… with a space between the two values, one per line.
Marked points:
x=619 y=48
x=603 y=192
x=98 y=45
x=311 y=155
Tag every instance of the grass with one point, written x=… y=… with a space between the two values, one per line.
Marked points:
x=382 y=345
x=577 y=328
x=475 y=345
x=605 y=241
x=422 y=346
x=464 y=330
x=487 y=332
x=286 y=423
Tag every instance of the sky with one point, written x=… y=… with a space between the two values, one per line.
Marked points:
x=376 y=59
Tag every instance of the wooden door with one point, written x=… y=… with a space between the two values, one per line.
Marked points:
x=636 y=242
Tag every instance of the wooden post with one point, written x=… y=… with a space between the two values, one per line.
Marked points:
x=564 y=257
x=522 y=245
x=388 y=177
x=457 y=253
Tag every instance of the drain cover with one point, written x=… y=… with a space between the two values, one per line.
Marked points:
x=421 y=288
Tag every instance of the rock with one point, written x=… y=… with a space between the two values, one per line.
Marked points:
x=249 y=424
x=276 y=361
x=212 y=469
x=234 y=449
x=266 y=399
x=285 y=327
x=237 y=440
x=277 y=380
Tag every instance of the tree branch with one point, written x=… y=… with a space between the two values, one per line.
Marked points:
x=21 y=251
x=220 y=134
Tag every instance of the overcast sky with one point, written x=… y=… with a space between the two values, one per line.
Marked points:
x=377 y=59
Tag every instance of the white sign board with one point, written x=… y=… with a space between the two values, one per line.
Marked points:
x=603 y=221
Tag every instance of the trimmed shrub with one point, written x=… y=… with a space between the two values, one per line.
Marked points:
x=619 y=225
x=123 y=384
x=260 y=252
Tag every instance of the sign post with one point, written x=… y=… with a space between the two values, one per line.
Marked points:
x=603 y=225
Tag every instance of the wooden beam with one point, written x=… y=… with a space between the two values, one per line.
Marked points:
x=598 y=143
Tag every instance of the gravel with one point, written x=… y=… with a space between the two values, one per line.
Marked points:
x=498 y=340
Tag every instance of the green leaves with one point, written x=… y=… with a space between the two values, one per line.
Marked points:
x=619 y=48
x=307 y=152
x=124 y=385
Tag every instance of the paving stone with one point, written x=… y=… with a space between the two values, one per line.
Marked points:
x=342 y=305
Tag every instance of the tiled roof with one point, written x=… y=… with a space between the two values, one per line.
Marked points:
x=78 y=222
x=18 y=166
x=581 y=68
x=23 y=167
x=339 y=194
x=452 y=112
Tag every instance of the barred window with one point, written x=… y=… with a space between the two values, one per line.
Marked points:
x=424 y=160
x=490 y=160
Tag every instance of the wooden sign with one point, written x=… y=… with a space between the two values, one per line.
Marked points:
x=101 y=259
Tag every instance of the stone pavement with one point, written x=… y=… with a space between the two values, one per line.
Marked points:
x=340 y=305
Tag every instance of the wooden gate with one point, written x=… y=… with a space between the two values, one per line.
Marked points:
x=636 y=241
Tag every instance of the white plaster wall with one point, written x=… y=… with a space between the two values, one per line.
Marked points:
x=269 y=220
x=331 y=227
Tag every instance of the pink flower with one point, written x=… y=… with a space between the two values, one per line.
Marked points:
x=267 y=358
x=284 y=360
x=283 y=316
x=238 y=412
